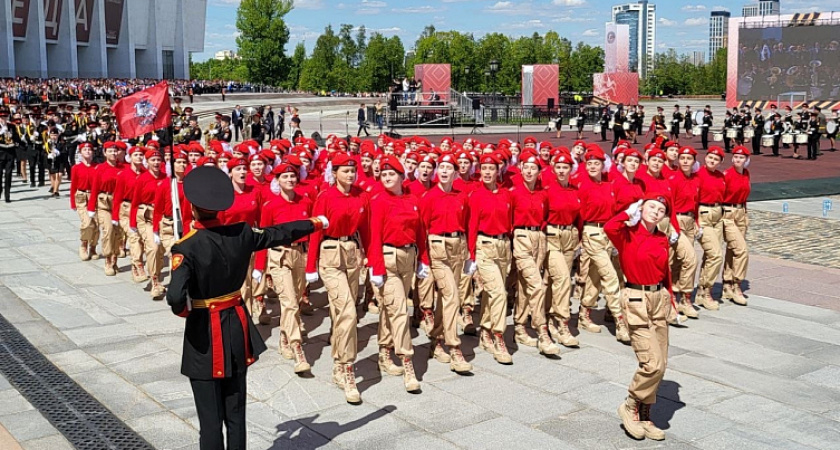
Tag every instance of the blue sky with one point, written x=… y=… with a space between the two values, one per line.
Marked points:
x=683 y=26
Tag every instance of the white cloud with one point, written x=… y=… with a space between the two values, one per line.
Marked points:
x=663 y=22
x=695 y=43
x=307 y=4
x=694 y=8
x=592 y=32
x=501 y=6
x=567 y=19
x=720 y=8
x=569 y=2
x=696 y=21
x=528 y=24
x=391 y=30
x=373 y=4
x=417 y=10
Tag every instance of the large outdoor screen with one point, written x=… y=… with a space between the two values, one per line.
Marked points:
x=779 y=62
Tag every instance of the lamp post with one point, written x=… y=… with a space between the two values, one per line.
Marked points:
x=466 y=78
x=494 y=67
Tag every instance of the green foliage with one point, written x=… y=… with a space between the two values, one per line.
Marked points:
x=677 y=75
x=225 y=70
x=262 y=39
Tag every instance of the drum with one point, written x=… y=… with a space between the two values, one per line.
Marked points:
x=787 y=138
x=749 y=133
x=697 y=130
x=596 y=128
x=731 y=133
x=668 y=127
x=612 y=124
x=626 y=125
x=767 y=140
x=552 y=125
x=717 y=137
x=831 y=127
x=572 y=123
x=802 y=138
x=768 y=127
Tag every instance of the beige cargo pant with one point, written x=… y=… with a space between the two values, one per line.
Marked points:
x=735 y=224
x=529 y=248
x=88 y=231
x=339 y=268
x=109 y=234
x=602 y=270
x=287 y=267
x=400 y=266
x=446 y=255
x=683 y=258
x=561 y=244
x=154 y=252
x=646 y=314
x=712 y=243
x=492 y=259
x=135 y=248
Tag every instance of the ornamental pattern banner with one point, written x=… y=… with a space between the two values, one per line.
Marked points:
x=617 y=87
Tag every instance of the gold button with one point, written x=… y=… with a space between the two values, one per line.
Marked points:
x=250 y=360
x=212 y=306
x=219 y=372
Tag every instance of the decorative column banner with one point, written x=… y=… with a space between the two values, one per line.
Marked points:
x=20 y=17
x=52 y=19
x=84 y=19
x=617 y=48
x=113 y=21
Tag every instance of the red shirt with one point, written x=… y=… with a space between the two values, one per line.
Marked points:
x=712 y=186
x=124 y=188
x=737 y=186
x=417 y=188
x=490 y=214
x=643 y=255
x=686 y=191
x=145 y=190
x=529 y=207
x=394 y=220
x=278 y=210
x=82 y=180
x=667 y=170
x=548 y=177
x=597 y=200
x=626 y=192
x=563 y=205
x=245 y=208
x=661 y=185
x=163 y=206
x=465 y=186
x=104 y=180
x=347 y=214
x=251 y=180
x=443 y=212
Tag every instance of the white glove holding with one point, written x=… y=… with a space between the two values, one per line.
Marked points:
x=157 y=239
x=257 y=275
x=155 y=138
x=469 y=267
x=312 y=277
x=674 y=237
x=377 y=280
x=91 y=214
x=132 y=230
x=422 y=271
x=115 y=223
x=578 y=251
x=635 y=211
x=699 y=233
x=324 y=220
x=214 y=132
x=98 y=131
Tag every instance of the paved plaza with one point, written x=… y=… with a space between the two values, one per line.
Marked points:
x=764 y=376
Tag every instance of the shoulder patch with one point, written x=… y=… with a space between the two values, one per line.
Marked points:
x=186 y=236
x=177 y=259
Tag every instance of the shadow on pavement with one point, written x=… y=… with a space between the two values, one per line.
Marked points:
x=297 y=433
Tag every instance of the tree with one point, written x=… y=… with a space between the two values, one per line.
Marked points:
x=296 y=67
x=382 y=62
x=262 y=39
x=319 y=72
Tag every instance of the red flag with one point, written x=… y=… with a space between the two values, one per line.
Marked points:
x=144 y=111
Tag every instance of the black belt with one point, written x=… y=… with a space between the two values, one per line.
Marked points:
x=493 y=236
x=341 y=238
x=562 y=227
x=645 y=287
x=403 y=247
x=687 y=214
x=735 y=205
x=454 y=234
x=711 y=205
x=528 y=228
x=594 y=224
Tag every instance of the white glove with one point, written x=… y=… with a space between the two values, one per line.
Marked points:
x=157 y=239
x=634 y=209
x=98 y=131
x=674 y=237
x=257 y=275
x=312 y=277
x=422 y=271
x=614 y=251
x=324 y=220
x=132 y=230
x=115 y=223
x=377 y=280
x=91 y=214
x=469 y=267
x=214 y=132
x=699 y=233
x=578 y=251
x=155 y=138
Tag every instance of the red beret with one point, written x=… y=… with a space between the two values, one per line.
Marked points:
x=206 y=160
x=562 y=157
x=284 y=168
x=715 y=150
x=414 y=156
x=530 y=140
x=268 y=155
x=195 y=147
x=121 y=145
x=593 y=152
x=391 y=162
x=236 y=162
x=659 y=197
x=741 y=150
x=151 y=153
x=448 y=158
x=293 y=160
x=530 y=156
x=579 y=143
x=342 y=159
x=490 y=158
x=429 y=159
x=670 y=144
x=179 y=155
x=632 y=152
x=85 y=145
x=686 y=150
x=138 y=148
x=657 y=153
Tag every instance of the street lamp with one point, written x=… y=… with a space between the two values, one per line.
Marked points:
x=466 y=78
x=494 y=67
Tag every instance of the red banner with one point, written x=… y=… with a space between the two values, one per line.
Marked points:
x=52 y=19
x=84 y=19
x=113 y=21
x=144 y=111
x=617 y=87
x=20 y=17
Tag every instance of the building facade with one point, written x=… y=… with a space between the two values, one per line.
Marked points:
x=698 y=58
x=641 y=17
x=762 y=8
x=718 y=32
x=100 y=38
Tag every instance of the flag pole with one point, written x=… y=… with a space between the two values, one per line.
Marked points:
x=177 y=222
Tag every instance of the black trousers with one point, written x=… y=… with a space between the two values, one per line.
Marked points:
x=776 y=140
x=727 y=144
x=756 y=143
x=7 y=166
x=37 y=158
x=813 y=146
x=603 y=132
x=362 y=127
x=221 y=402
x=236 y=130
x=618 y=134
x=704 y=138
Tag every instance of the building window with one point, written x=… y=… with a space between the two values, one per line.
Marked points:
x=168 y=64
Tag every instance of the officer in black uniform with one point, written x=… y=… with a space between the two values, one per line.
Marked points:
x=209 y=265
x=759 y=131
x=704 y=132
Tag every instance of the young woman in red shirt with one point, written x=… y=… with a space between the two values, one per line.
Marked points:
x=101 y=204
x=735 y=224
x=685 y=186
x=712 y=189
x=123 y=193
x=80 y=185
x=141 y=217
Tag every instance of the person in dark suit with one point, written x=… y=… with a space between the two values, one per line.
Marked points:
x=362 y=118
x=237 y=117
x=209 y=265
x=269 y=122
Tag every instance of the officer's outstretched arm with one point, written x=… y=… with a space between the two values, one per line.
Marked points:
x=283 y=234
x=176 y=295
